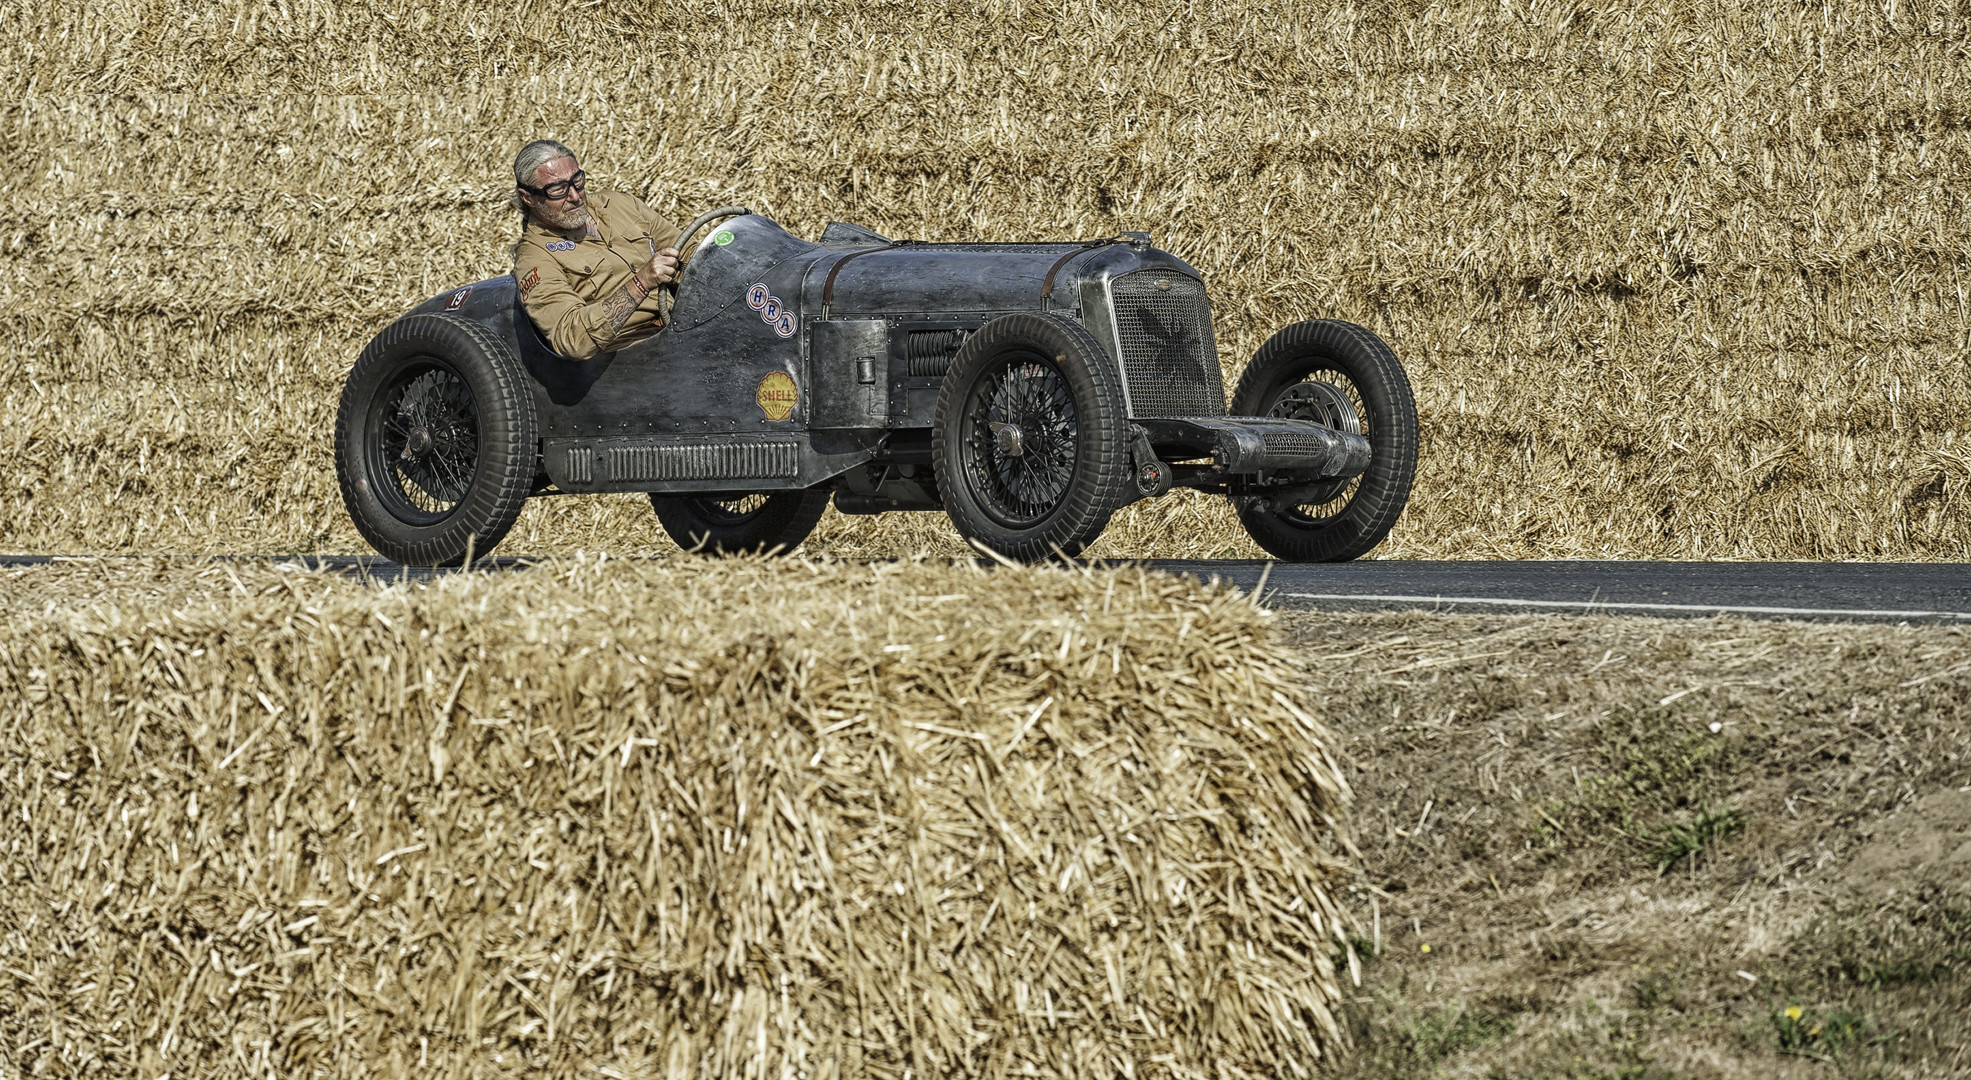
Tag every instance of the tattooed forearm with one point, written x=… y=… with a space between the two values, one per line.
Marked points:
x=618 y=307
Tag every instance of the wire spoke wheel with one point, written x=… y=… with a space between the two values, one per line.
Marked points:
x=435 y=440
x=1029 y=441
x=426 y=445
x=1018 y=444
x=1343 y=377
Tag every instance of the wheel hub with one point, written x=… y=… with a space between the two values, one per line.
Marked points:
x=1320 y=402
x=1008 y=440
x=419 y=443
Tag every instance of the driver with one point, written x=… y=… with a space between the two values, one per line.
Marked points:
x=588 y=266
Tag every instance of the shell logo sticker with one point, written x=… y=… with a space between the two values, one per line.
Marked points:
x=778 y=395
x=760 y=299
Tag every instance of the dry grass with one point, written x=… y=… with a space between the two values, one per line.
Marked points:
x=1684 y=284
x=1546 y=806
x=683 y=819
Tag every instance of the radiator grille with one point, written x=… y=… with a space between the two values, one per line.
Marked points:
x=737 y=461
x=1163 y=325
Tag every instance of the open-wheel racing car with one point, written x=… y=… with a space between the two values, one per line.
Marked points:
x=1027 y=390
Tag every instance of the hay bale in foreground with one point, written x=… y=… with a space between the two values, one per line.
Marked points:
x=671 y=819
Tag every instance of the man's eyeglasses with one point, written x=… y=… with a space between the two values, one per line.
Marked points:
x=558 y=190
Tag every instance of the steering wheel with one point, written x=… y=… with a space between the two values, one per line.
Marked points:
x=669 y=290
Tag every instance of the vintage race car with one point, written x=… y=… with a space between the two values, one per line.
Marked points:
x=1027 y=390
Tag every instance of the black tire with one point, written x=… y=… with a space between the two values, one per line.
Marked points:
x=435 y=445
x=1056 y=467
x=740 y=524
x=1358 y=364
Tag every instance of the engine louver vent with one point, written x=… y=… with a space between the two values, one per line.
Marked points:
x=1163 y=324
x=930 y=352
x=739 y=461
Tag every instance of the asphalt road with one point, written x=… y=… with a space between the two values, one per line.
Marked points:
x=1873 y=592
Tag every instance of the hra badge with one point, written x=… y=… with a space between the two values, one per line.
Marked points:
x=723 y=238
x=778 y=395
x=784 y=322
x=457 y=299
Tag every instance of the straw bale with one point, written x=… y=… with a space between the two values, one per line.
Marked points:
x=664 y=819
x=1682 y=283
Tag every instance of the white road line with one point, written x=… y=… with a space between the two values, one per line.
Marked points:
x=1603 y=605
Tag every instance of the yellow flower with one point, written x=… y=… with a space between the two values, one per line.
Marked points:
x=1793 y=1012
x=1426 y=948
x=1815 y=1031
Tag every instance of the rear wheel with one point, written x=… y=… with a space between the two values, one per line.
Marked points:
x=1341 y=375
x=1030 y=438
x=435 y=441
x=740 y=523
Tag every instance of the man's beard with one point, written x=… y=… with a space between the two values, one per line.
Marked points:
x=566 y=219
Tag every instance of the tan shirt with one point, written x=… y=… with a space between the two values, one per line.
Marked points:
x=575 y=287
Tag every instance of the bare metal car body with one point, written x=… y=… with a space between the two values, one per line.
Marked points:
x=818 y=367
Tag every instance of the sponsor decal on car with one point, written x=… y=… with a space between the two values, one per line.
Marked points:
x=722 y=238
x=527 y=283
x=457 y=299
x=561 y=245
x=783 y=321
x=777 y=395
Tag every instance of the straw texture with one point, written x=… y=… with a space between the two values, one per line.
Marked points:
x=688 y=819
x=1684 y=282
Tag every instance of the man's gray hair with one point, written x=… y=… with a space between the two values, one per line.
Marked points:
x=527 y=164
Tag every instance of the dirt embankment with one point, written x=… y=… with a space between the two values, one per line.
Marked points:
x=1640 y=848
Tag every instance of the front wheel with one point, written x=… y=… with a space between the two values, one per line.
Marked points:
x=740 y=524
x=1030 y=438
x=1341 y=375
x=435 y=447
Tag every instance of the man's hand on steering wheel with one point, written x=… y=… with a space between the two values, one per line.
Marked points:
x=662 y=269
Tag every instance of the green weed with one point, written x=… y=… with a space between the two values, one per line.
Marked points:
x=1797 y=1030
x=1655 y=765
x=1706 y=831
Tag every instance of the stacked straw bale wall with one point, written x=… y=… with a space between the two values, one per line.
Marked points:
x=670 y=820
x=1675 y=282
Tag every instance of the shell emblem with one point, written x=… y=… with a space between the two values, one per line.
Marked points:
x=778 y=395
